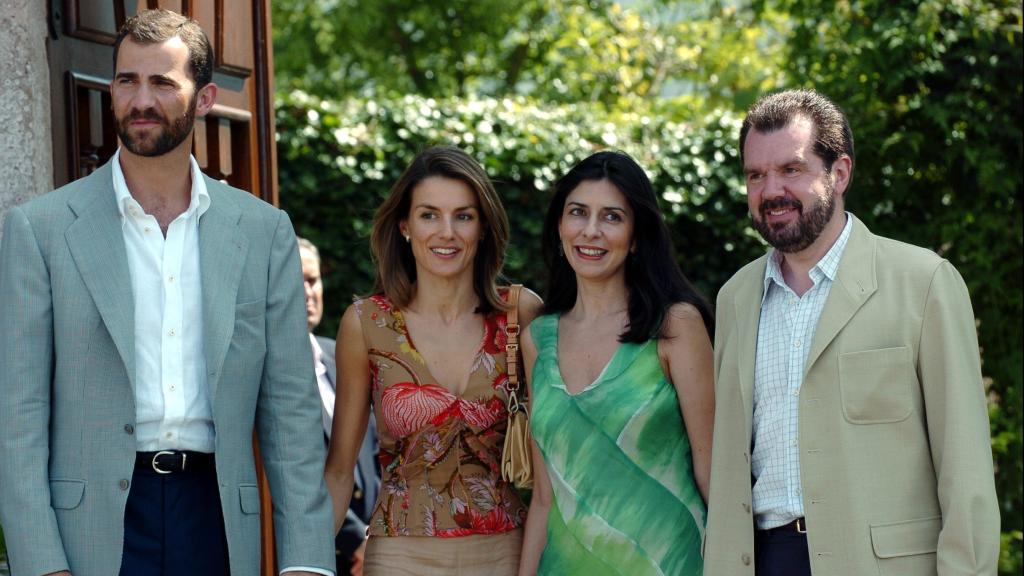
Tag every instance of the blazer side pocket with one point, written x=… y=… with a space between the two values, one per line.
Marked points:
x=249 y=498
x=906 y=538
x=66 y=494
x=876 y=385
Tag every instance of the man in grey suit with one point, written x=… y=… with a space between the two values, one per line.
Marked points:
x=150 y=319
x=350 y=542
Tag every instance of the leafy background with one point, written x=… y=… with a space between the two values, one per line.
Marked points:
x=933 y=90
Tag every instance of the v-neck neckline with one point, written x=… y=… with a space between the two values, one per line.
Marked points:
x=601 y=376
x=433 y=379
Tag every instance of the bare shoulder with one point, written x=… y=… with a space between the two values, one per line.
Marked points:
x=530 y=305
x=350 y=322
x=683 y=319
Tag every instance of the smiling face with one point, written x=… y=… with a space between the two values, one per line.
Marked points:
x=791 y=195
x=596 y=230
x=443 y=227
x=154 y=97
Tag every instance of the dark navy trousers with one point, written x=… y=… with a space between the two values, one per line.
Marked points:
x=173 y=526
x=781 y=553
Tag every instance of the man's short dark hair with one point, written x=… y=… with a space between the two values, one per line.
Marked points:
x=832 y=134
x=156 y=26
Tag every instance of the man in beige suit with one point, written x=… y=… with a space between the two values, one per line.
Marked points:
x=851 y=430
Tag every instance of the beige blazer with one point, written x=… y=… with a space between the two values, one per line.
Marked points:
x=895 y=459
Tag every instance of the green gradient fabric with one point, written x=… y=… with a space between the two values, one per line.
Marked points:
x=624 y=501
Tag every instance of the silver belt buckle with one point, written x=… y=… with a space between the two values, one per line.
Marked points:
x=169 y=453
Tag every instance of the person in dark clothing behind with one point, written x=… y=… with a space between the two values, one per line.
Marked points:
x=349 y=543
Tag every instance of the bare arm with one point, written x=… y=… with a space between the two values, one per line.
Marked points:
x=351 y=413
x=686 y=358
x=529 y=307
x=536 y=533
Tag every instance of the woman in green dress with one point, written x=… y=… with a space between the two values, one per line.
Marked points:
x=621 y=386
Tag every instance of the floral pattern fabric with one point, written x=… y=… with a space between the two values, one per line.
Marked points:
x=440 y=453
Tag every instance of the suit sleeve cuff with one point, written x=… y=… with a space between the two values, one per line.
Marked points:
x=306 y=569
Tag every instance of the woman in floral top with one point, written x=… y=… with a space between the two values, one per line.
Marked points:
x=428 y=353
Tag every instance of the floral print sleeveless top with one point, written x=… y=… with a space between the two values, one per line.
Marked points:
x=440 y=453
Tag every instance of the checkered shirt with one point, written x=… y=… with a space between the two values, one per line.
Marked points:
x=783 y=341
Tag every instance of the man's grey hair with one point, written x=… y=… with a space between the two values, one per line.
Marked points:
x=308 y=246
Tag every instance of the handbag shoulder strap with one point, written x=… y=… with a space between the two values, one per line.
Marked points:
x=512 y=337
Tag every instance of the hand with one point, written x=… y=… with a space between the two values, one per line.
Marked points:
x=357 y=560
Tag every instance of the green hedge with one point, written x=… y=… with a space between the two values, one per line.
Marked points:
x=337 y=160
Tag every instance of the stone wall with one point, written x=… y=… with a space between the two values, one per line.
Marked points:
x=26 y=161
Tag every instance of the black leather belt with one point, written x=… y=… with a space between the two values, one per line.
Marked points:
x=174 y=461
x=798 y=525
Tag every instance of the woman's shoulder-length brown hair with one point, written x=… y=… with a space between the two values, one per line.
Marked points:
x=396 y=267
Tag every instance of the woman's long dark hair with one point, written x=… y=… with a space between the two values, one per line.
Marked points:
x=653 y=277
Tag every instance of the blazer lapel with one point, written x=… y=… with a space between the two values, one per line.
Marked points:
x=332 y=370
x=855 y=283
x=222 y=251
x=748 y=317
x=96 y=243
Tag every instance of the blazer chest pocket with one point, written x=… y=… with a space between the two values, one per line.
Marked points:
x=876 y=385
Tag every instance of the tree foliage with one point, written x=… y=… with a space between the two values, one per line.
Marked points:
x=562 y=51
x=338 y=160
x=932 y=88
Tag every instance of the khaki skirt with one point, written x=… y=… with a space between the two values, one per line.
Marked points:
x=477 y=555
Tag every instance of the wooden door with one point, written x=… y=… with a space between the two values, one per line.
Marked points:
x=234 y=143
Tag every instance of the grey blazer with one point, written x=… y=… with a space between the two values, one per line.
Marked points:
x=67 y=380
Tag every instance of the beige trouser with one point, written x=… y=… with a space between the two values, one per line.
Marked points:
x=477 y=555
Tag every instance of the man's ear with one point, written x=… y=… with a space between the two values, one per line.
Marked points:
x=842 y=170
x=205 y=99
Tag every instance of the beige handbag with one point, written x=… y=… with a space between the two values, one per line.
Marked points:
x=516 y=462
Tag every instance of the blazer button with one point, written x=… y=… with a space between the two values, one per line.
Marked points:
x=746 y=507
x=129 y=429
x=123 y=484
x=746 y=559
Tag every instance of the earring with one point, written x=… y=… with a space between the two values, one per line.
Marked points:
x=561 y=253
x=406 y=238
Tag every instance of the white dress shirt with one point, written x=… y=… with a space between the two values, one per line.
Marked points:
x=173 y=410
x=324 y=384
x=784 y=336
x=172 y=401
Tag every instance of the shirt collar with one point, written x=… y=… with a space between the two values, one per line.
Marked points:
x=199 y=201
x=827 y=267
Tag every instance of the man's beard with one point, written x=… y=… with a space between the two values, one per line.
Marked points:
x=172 y=134
x=793 y=237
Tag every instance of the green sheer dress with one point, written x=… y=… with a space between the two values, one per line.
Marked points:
x=624 y=500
